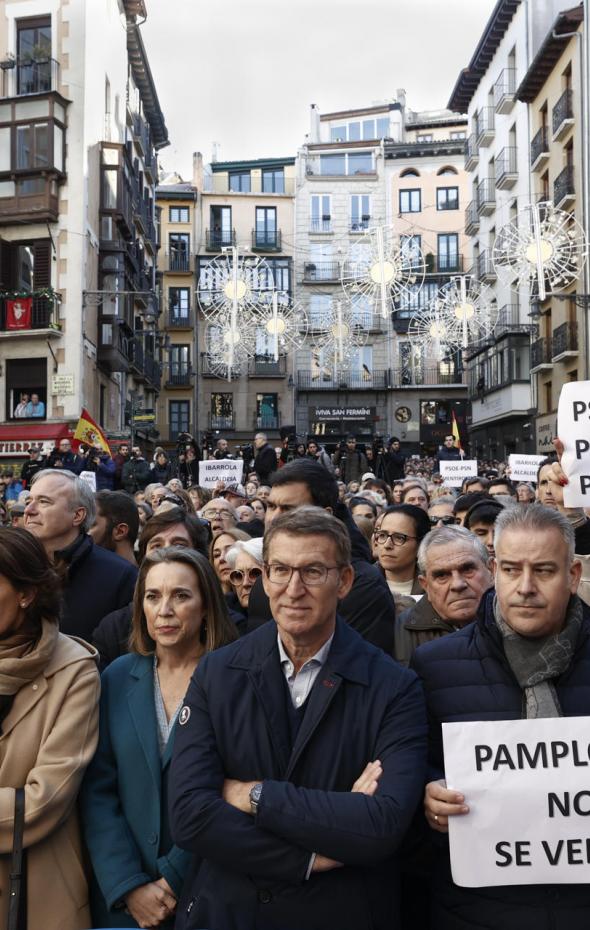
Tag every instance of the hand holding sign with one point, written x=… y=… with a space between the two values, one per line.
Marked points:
x=440 y=803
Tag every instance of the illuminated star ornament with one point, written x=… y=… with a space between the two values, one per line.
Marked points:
x=544 y=248
x=468 y=309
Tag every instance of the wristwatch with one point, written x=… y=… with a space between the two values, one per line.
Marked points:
x=255 y=792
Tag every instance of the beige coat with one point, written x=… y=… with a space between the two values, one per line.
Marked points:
x=47 y=740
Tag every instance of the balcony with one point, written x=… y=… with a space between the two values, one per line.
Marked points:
x=28 y=200
x=25 y=76
x=540 y=149
x=509 y=321
x=178 y=320
x=562 y=115
x=112 y=353
x=486 y=272
x=565 y=342
x=217 y=239
x=506 y=169
x=267 y=422
x=179 y=375
x=219 y=183
x=209 y=368
x=264 y=366
x=323 y=272
x=471 y=218
x=445 y=373
x=221 y=422
x=319 y=227
x=141 y=135
x=343 y=380
x=541 y=355
x=179 y=263
x=485 y=126
x=504 y=90
x=486 y=197
x=266 y=240
x=471 y=152
x=446 y=264
x=43 y=320
x=359 y=224
x=563 y=188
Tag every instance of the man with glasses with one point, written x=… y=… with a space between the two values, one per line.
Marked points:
x=453 y=567
x=220 y=515
x=440 y=512
x=299 y=755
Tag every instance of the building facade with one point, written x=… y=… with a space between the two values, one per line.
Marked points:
x=80 y=123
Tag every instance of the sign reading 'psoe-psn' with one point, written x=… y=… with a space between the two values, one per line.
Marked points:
x=454 y=472
x=573 y=429
x=215 y=470
x=527 y=786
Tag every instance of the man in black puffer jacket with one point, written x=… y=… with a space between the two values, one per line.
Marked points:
x=488 y=671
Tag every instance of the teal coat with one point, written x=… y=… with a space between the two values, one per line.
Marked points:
x=124 y=796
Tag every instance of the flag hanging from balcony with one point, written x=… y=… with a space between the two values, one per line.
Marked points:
x=455 y=431
x=19 y=312
x=89 y=431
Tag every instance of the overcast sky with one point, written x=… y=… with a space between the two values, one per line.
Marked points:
x=244 y=72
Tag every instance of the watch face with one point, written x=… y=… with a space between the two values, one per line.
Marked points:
x=403 y=414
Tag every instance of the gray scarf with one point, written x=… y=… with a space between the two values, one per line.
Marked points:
x=535 y=662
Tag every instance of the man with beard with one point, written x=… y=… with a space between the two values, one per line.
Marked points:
x=116 y=524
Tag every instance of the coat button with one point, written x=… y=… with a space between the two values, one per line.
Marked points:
x=264 y=896
x=153 y=839
x=35 y=687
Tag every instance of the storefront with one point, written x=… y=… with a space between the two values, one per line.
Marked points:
x=17 y=439
x=331 y=423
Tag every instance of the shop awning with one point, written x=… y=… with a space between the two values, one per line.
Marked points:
x=17 y=438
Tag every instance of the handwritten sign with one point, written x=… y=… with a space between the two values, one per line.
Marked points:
x=573 y=428
x=455 y=471
x=90 y=478
x=215 y=470
x=524 y=467
x=527 y=786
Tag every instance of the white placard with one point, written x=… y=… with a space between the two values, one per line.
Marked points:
x=454 y=472
x=527 y=786
x=62 y=384
x=524 y=467
x=215 y=470
x=90 y=478
x=573 y=429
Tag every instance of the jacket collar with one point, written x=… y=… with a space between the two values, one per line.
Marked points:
x=76 y=551
x=423 y=617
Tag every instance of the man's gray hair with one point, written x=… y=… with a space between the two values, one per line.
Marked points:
x=261 y=436
x=443 y=499
x=81 y=494
x=310 y=521
x=535 y=518
x=453 y=535
x=252 y=547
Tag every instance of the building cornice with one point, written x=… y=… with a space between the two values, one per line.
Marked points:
x=551 y=50
x=218 y=166
x=365 y=111
x=145 y=83
x=444 y=147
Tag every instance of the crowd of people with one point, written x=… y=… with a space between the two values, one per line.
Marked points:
x=225 y=705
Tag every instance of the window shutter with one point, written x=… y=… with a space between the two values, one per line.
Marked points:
x=42 y=267
x=7 y=266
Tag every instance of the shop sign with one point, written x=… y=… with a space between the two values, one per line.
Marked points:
x=12 y=447
x=344 y=413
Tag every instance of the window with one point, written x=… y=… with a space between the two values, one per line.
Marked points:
x=26 y=389
x=179 y=416
x=179 y=358
x=448 y=252
x=409 y=173
x=360 y=163
x=221 y=233
x=425 y=137
x=344 y=164
x=446 y=169
x=266 y=227
x=222 y=411
x=179 y=303
x=179 y=247
x=411 y=249
x=360 y=212
x=410 y=200
x=321 y=213
x=179 y=215
x=273 y=180
x=447 y=198
x=33 y=50
x=458 y=135
x=267 y=411
x=362 y=311
x=361 y=363
x=367 y=129
x=548 y=397
x=239 y=181
x=32 y=146
x=281 y=273
x=320 y=310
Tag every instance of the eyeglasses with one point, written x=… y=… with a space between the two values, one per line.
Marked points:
x=213 y=514
x=398 y=539
x=237 y=577
x=449 y=520
x=310 y=575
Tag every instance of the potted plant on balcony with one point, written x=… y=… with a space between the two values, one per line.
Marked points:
x=8 y=62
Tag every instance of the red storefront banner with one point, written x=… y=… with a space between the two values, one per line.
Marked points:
x=19 y=312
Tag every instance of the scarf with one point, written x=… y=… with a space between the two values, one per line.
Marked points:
x=24 y=655
x=535 y=662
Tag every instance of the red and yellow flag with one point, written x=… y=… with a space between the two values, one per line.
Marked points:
x=89 y=431
x=455 y=431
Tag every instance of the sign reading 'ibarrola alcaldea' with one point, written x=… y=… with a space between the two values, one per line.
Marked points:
x=215 y=470
x=527 y=786
x=524 y=467
x=573 y=429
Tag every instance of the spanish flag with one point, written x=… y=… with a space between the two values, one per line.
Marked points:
x=90 y=432
x=455 y=431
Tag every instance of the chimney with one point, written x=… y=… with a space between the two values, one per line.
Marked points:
x=314 y=134
x=214 y=152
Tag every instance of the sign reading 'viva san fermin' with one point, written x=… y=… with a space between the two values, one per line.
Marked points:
x=344 y=413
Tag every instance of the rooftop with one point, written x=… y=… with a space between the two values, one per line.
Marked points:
x=549 y=53
x=253 y=163
x=144 y=80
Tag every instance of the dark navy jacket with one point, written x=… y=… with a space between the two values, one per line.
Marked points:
x=362 y=707
x=466 y=677
x=124 y=798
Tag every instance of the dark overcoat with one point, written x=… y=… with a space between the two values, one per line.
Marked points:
x=362 y=707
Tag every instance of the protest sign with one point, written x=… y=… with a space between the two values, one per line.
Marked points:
x=527 y=786
x=215 y=470
x=455 y=472
x=90 y=478
x=524 y=467
x=573 y=428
